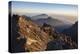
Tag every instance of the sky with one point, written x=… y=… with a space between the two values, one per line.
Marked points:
x=30 y=8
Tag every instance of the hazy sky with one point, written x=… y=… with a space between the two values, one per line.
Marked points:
x=51 y=9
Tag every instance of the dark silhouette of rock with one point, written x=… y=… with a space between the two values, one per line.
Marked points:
x=72 y=32
x=16 y=45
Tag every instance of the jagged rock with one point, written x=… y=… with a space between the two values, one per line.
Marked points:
x=36 y=39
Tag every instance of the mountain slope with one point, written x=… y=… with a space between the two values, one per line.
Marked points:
x=41 y=38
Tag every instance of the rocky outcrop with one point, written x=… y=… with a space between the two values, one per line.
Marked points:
x=36 y=39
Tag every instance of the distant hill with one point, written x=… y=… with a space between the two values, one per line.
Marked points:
x=72 y=31
x=44 y=18
x=40 y=16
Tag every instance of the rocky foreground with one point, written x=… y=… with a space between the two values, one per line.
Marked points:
x=41 y=38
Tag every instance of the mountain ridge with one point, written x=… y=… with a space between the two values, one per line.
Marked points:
x=58 y=24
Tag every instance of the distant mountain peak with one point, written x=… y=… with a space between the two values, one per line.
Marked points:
x=40 y=16
x=49 y=17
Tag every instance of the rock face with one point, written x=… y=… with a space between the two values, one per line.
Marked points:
x=36 y=39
